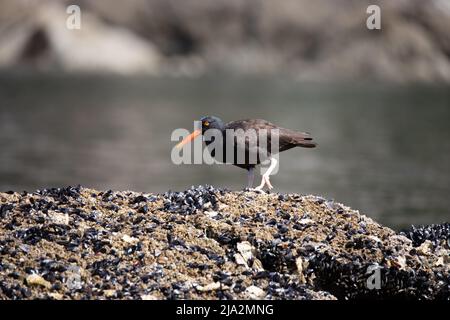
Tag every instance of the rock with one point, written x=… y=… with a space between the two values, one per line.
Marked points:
x=306 y=221
x=374 y=238
x=131 y=240
x=222 y=206
x=157 y=253
x=299 y=264
x=37 y=280
x=443 y=258
x=96 y=47
x=246 y=254
x=425 y=248
x=245 y=250
x=254 y=248
x=59 y=218
x=240 y=260
x=401 y=240
x=25 y=248
x=257 y=265
x=73 y=278
x=56 y=296
x=211 y=214
x=109 y=293
x=255 y=293
x=398 y=262
x=209 y=287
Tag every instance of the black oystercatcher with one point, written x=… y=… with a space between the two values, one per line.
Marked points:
x=247 y=139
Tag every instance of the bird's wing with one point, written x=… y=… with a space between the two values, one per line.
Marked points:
x=255 y=124
x=287 y=138
x=247 y=137
x=291 y=138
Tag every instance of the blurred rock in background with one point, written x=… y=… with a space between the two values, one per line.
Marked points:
x=33 y=34
x=322 y=40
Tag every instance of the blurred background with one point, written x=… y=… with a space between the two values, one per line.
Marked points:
x=97 y=106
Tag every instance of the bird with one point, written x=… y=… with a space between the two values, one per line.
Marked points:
x=249 y=149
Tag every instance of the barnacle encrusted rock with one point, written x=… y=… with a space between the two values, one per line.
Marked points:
x=207 y=243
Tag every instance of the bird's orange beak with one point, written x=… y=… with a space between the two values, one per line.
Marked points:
x=189 y=138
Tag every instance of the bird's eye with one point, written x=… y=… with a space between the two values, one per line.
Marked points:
x=206 y=123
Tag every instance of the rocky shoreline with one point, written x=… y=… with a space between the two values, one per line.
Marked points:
x=207 y=243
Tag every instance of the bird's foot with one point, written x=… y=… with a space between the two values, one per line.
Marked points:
x=265 y=180
x=269 y=185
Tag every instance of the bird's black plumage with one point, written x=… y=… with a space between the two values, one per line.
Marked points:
x=244 y=133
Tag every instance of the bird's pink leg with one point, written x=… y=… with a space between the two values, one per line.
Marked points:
x=266 y=176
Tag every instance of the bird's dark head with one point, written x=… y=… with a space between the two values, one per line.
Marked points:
x=208 y=122
x=211 y=122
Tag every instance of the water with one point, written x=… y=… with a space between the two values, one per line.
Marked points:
x=382 y=150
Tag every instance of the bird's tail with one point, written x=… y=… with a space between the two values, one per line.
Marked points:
x=303 y=139
x=307 y=144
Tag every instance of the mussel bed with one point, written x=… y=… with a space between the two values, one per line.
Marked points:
x=209 y=243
